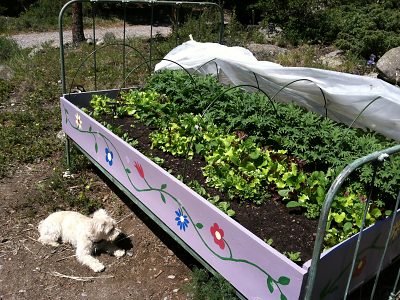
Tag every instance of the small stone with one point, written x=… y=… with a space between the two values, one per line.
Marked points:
x=61 y=136
x=170 y=253
x=67 y=174
x=175 y=290
x=171 y=276
x=84 y=294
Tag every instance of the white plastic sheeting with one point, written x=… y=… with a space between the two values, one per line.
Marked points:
x=371 y=103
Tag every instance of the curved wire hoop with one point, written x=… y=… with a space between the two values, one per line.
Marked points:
x=100 y=48
x=240 y=86
x=304 y=79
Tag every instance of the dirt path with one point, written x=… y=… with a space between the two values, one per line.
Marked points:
x=29 y=40
x=153 y=268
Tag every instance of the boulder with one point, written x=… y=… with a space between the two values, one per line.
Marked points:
x=265 y=51
x=389 y=66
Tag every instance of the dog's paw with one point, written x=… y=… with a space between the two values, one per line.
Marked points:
x=98 y=267
x=54 y=244
x=49 y=242
x=119 y=253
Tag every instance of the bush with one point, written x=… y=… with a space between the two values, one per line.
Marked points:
x=366 y=30
x=41 y=15
x=8 y=49
x=359 y=27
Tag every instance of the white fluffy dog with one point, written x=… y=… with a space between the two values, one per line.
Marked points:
x=82 y=232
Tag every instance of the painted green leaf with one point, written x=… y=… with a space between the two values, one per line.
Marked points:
x=163 y=186
x=96 y=147
x=90 y=128
x=270 y=284
x=199 y=225
x=163 y=198
x=128 y=170
x=283 y=297
x=284 y=280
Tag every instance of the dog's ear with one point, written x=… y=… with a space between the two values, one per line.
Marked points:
x=97 y=226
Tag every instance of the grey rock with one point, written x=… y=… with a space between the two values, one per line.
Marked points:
x=61 y=136
x=99 y=42
x=332 y=59
x=6 y=73
x=262 y=51
x=389 y=66
x=109 y=37
x=271 y=31
x=372 y=75
x=36 y=50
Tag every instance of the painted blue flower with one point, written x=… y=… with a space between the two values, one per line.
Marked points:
x=109 y=156
x=181 y=219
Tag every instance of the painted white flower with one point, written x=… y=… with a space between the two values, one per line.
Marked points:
x=78 y=121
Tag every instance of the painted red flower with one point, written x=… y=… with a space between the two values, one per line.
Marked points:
x=139 y=168
x=359 y=266
x=218 y=235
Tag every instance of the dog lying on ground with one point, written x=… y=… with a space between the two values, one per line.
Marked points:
x=82 y=232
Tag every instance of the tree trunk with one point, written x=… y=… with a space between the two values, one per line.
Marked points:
x=77 y=23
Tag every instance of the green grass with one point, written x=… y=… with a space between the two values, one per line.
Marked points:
x=205 y=286
x=8 y=49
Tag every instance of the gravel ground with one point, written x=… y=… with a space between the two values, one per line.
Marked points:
x=30 y=40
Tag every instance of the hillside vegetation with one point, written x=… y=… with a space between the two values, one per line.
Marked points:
x=360 y=27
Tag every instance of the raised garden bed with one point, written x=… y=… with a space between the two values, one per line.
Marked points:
x=257 y=270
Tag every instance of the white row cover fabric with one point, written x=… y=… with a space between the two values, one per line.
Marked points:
x=346 y=95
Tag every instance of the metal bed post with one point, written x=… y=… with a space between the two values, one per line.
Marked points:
x=94 y=45
x=123 y=49
x=375 y=156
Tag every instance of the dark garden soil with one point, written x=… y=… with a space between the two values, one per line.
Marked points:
x=289 y=230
